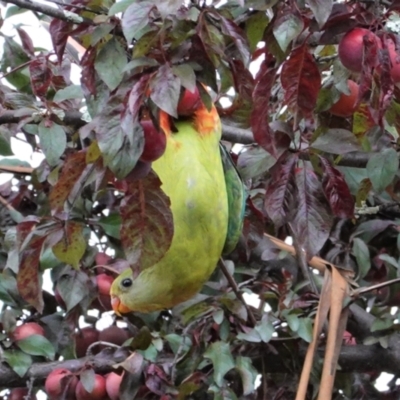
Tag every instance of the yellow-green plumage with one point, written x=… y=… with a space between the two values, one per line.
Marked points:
x=192 y=176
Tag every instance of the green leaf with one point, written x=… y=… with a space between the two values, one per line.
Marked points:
x=187 y=76
x=337 y=141
x=119 y=6
x=220 y=355
x=14 y=10
x=251 y=336
x=141 y=62
x=305 y=329
x=53 y=141
x=382 y=168
x=293 y=322
x=135 y=18
x=70 y=92
x=177 y=342
x=265 y=329
x=111 y=225
x=5 y=146
x=255 y=26
x=248 y=374
x=287 y=29
x=71 y=248
x=18 y=361
x=110 y=63
x=381 y=324
x=37 y=345
x=361 y=252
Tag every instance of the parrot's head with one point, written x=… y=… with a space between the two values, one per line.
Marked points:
x=120 y=291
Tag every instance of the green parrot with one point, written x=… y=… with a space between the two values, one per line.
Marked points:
x=207 y=203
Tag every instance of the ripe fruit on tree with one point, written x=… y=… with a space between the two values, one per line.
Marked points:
x=60 y=383
x=26 y=330
x=114 y=334
x=20 y=394
x=113 y=383
x=351 y=48
x=83 y=339
x=104 y=283
x=98 y=392
x=346 y=105
x=102 y=258
x=155 y=141
x=189 y=102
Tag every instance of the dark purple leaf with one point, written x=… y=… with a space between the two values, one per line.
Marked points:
x=59 y=33
x=280 y=190
x=120 y=137
x=136 y=95
x=165 y=90
x=243 y=80
x=26 y=41
x=336 y=191
x=229 y=28
x=135 y=18
x=88 y=76
x=261 y=98
x=301 y=80
x=310 y=218
x=41 y=75
x=199 y=55
x=147 y=223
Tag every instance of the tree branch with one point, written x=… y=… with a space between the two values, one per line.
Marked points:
x=358 y=358
x=230 y=133
x=101 y=363
x=63 y=15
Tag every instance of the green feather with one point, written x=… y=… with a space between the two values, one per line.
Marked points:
x=236 y=201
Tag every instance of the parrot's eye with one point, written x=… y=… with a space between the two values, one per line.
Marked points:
x=127 y=283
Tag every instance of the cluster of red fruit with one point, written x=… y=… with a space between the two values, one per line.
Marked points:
x=154 y=140
x=351 y=52
x=62 y=383
x=61 y=379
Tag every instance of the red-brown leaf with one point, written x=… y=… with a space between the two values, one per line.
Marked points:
x=26 y=41
x=261 y=98
x=41 y=75
x=147 y=222
x=88 y=76
x=301 y=80
x=280 y=190
x=59 y=33
x=71 y=172
x=336 y=191
x=311 y=220
x=28 y=279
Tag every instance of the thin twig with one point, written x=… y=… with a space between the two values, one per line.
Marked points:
x=67 y=16
x=236 y=290
x=302 y=260
x=100 y=343
x=16 y=170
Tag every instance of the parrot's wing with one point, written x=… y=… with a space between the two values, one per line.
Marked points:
x=236 y=201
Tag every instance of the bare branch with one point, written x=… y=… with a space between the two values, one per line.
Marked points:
x=64 y=15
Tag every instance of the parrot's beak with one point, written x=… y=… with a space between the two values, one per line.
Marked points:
x=118 y=307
